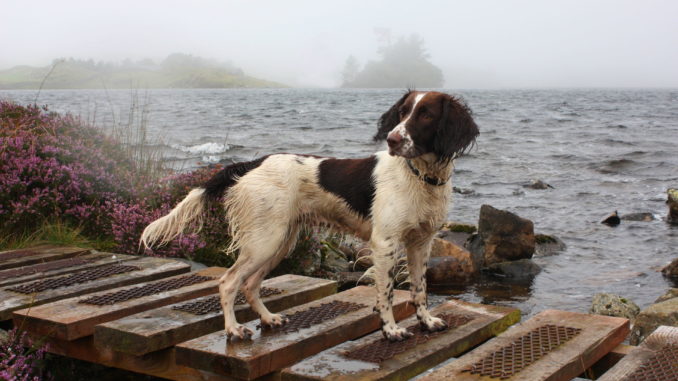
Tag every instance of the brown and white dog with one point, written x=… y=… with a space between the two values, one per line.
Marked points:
x=395 y=200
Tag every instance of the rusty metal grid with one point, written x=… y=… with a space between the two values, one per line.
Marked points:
x=42 y=267
x=522 y=352
x=383 y=349
x=145 y=290
x=213 y=304
x=17 y=254
x=663 y=366
x=72 y=279
x=316 y=315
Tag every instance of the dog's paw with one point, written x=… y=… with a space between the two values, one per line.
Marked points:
x=433 y=324
x=239 y=331
x=274 y=321
x=395 y=333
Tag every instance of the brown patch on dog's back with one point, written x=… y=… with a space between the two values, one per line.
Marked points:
x=350 y=179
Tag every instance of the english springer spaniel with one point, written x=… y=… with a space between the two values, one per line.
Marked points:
x=395 y=199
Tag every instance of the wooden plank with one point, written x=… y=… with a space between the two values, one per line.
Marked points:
x=72 y=318
x=61 y=266
x=272 y=350
x=589 y=337
x=38 y=254
x=164 y=327
x=369 y=358
x=653 y=347
x=149 y=269
x=608 y=361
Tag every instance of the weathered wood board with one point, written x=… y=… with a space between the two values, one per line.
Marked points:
x=375 y=358
x=148 y=269
x=656 y=358
x=348 y=314
x=60 y=266
x=38 y=254
x=553 y=345
x=164 y=327
x=74 y=318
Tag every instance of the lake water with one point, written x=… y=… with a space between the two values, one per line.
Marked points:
x=601 y=150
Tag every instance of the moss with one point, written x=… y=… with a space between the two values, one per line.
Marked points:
x=543 y=238
x=623 y=300
x=460 y=228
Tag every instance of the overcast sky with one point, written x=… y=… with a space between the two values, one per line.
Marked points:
x=477 y=44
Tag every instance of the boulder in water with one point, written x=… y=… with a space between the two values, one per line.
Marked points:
x=502 y=236
x=641 y=217
x=612 y=220
x=522 y=269
x=537 y=184
x=671 y=270
x=673 y=206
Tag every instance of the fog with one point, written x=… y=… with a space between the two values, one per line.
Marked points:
x=477 y=44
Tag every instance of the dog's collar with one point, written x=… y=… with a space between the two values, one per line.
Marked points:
x=429 y=180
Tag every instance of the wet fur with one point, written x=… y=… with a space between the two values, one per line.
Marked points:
x=377 y=198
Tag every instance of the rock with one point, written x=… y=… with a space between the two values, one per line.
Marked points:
x=502 y=236
x=449 y=270
x=363 y=259
x=522 y=269
x=670 y=294
x=673 y=206
x=463 y=190
x=614 y=305
x=537 y=184
x=663 y=313
x=612 y=220
x=548 y=245
x=518 y=192
x=335 y=262
x=444 y=248
x=350 y=279
x=456 y=238
x=641 y=217
x=671 y=270
x=457 y=227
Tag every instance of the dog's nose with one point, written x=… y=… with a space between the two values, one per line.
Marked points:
x=394 y=140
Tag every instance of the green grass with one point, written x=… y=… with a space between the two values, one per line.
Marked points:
x=54 y=232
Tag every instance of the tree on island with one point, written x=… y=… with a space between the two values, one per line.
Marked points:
x=404 y=63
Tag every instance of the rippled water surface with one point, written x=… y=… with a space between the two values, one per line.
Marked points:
x=601 y=150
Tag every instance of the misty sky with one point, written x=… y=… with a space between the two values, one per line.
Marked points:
x=477 y=44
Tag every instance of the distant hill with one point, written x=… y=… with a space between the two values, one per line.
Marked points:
x=176 y=71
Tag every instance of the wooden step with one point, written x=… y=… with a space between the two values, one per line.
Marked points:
x=60 y=266
x=375 y=358
x=74 y=318
x=656 y=358
x=553 y=345
x=37 y=292
x=349 y=315
x=162 y=363
x=23 y=257
x=164 y=327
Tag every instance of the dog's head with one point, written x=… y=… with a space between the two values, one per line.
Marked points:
x=427 y=122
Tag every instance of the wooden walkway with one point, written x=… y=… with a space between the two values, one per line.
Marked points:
x=154 y=316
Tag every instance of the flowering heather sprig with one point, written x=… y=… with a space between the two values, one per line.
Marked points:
x=18 y=362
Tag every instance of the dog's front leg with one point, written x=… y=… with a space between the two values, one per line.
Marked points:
x=384 y=259
x=417 y=262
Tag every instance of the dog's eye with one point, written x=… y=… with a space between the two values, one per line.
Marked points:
x=427 y=115
x=402 y=113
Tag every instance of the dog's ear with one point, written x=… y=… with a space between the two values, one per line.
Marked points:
x=390 y=119
x=457 y=131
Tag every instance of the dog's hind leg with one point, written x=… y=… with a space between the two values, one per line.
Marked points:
x=417 y=261
x=384 y=258
x=252 y=286
x=257 y=250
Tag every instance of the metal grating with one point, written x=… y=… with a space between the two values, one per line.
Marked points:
x=523 y=351
x=213 y=304
x=383 y=349
x=145 y=290
x=17 y=254
x=316 y=315
x=663 y=366
x=71 y=279
x=43 y=267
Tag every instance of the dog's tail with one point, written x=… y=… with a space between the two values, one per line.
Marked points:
x=190 y=209
x=167 y=228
